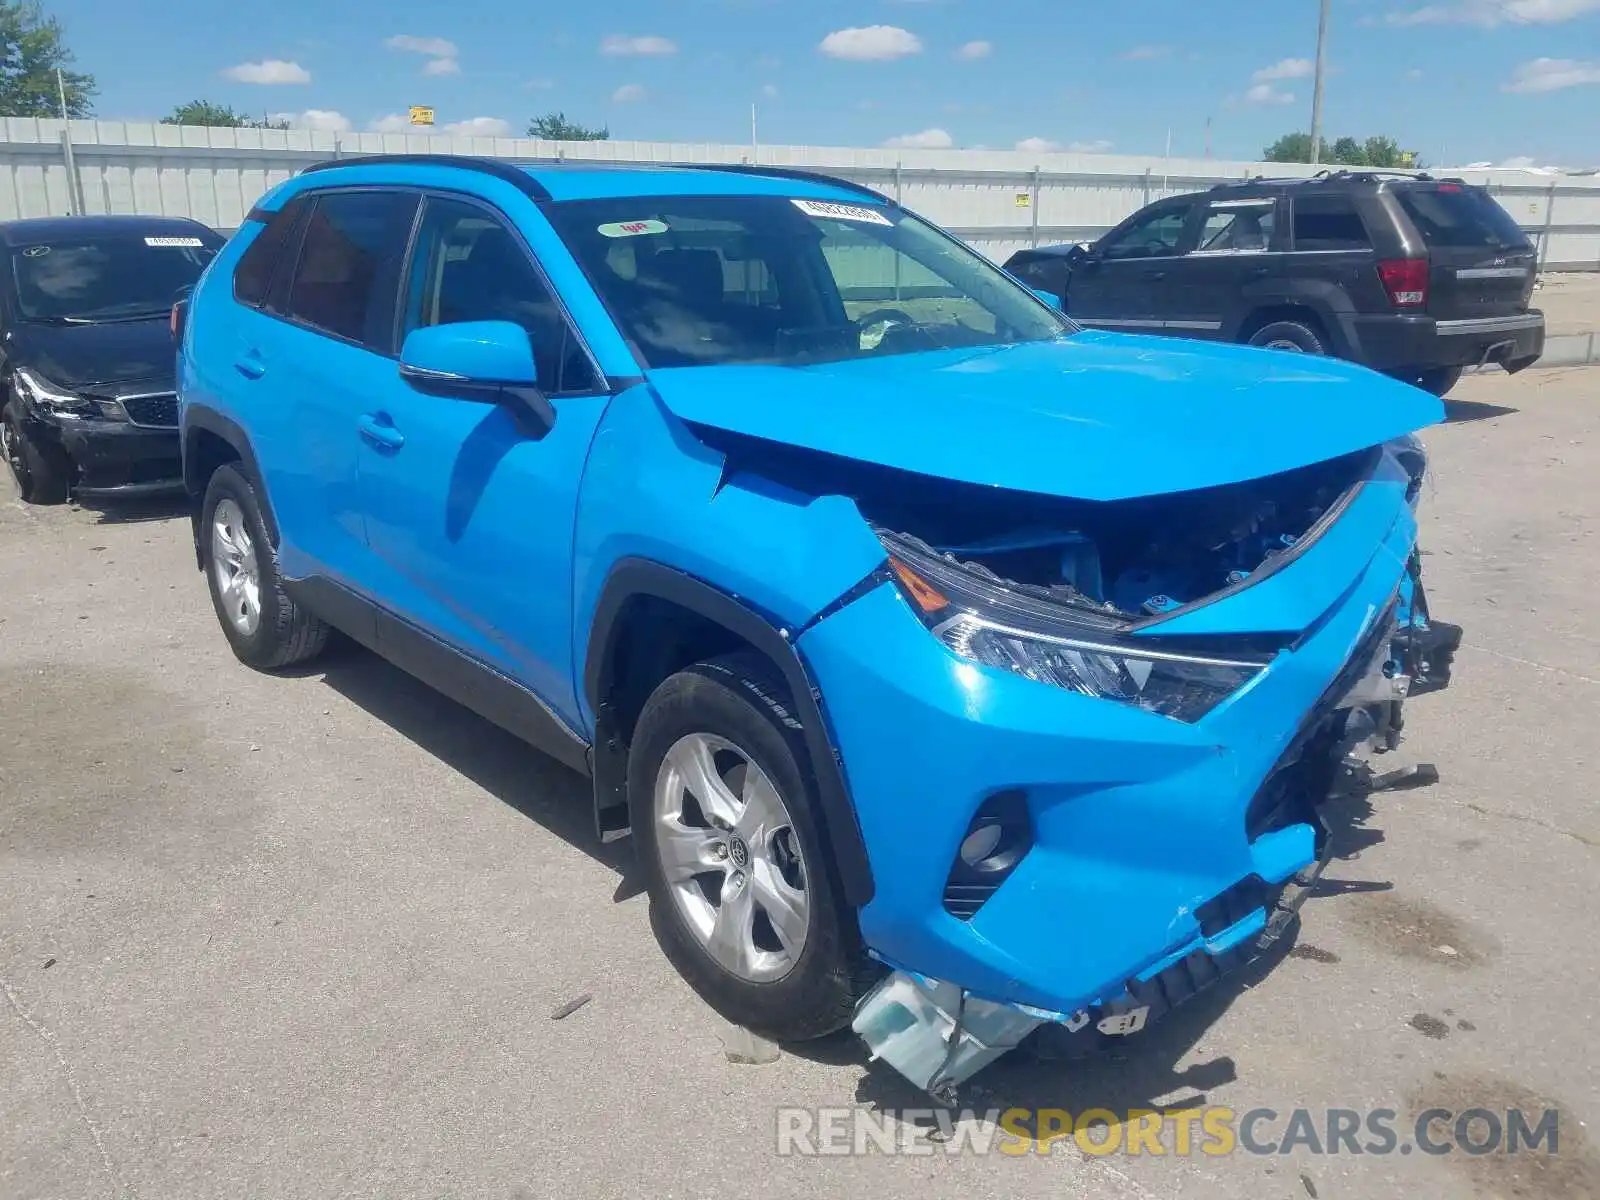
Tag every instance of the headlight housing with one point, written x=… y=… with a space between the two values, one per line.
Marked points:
x=59 y=402
x=1085 y=649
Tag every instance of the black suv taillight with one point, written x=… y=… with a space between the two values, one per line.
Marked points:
x=1406 y=281
x=998 y=837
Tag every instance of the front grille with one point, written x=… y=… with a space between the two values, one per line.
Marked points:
x=159 y=411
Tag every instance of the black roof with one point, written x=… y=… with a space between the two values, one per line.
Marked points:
x=43 y=229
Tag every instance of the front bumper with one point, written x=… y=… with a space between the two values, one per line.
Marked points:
x=1154 y=840
x=1394 y=341
x=113 y=458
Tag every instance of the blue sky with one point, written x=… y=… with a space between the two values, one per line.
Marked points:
x=1457 y=80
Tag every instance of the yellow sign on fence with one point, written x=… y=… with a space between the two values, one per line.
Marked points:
x=421 y=115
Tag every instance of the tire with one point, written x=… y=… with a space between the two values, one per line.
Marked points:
x=1289 y=335
x=282 y=633
x=726 y=717
x=1437 y=380
x=42 y=472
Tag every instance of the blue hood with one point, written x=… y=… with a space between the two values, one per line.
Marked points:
x=1093 y=416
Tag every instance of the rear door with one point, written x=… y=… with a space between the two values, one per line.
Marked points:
x=1235 y=254
x=1480 y=263
x=1121 y=283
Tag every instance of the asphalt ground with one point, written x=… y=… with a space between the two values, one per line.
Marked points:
x=304 y=935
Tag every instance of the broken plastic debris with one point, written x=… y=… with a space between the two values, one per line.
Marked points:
x=747 y=1048
x=935 y=1034
x=571 y=1006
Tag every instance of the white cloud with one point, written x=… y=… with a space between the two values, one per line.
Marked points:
x=435 y=47
x=479 y=127
x=770 y=91
x=1145 y=53
x=1288 y=68
x=1414 y=74
x=972 y=50
x=1552 y=74
x=1038 y=145
x=928 y=139
x=314 y=118
x=442 y=66
x=1490 y=13
x=619 y=45
x=871 y=43
x=627 y=94
x=271 y=70
x=396 y=123
x=1265 y=93
x=1098 y=146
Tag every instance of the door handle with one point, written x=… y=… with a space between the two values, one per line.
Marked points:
x=250 y=366
x=378 y=429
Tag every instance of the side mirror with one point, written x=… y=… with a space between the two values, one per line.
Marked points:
x=491 y=361
x=1050 y=298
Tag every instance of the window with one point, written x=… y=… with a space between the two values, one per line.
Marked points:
x=1154 y=235
x=253 y=276
x=470 y=267
x=705 y=280
x=1237 y=226
x=1046 y=272
x=1328 y=223
x=89 y=280
x=1459 y=217
x=349 y=265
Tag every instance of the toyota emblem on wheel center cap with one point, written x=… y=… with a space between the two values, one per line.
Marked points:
x=738 y=852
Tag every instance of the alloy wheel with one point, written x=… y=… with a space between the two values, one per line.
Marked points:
x=731 y=857
x=234 y=567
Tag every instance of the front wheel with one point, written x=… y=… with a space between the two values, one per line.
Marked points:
x=742 y=896
x=42 y=472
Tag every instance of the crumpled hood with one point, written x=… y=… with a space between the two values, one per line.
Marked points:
x=75 y=356
x=1093 y=416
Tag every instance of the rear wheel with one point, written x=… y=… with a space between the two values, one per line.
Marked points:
x=1293 y=336
x=742 y=895
x=264 y=626
x=42 y=472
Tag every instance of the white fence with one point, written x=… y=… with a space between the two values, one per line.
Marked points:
x=999 y=201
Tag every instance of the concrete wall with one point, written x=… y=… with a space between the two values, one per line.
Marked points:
x=999 y=200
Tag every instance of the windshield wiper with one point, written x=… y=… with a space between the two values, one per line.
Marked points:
x=124 y=318
x=60 y=320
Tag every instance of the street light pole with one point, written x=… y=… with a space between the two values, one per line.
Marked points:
x=1316 y=89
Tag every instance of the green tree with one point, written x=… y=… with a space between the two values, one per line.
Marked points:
x=1345 y=152
x=555 y=127
x=1348 y=152
x=1292 y=147
x=32 y=50
x=203 y=112
x=1386 y=152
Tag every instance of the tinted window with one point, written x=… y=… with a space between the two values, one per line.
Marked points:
x=1237 y=226
x=1457 y=216
x=349 y=266
x=124 y=276
x=697 y=280
x=470 y=267
x=1328 y=223
x=253 y=275
x=1048 y=273
x=1155 y=234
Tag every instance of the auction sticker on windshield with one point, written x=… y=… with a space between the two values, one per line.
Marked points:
x=620 y=229
x=842 y=212
x=174 y=241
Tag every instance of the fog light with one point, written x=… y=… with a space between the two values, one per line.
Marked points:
x=1000 y=835
x=981 y=843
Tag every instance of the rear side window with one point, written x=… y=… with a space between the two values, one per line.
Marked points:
x=1451 y=215
x=253 y=276
x=1328 y=223
x=348 y=273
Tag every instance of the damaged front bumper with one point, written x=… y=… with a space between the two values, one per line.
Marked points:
x=1161 y=854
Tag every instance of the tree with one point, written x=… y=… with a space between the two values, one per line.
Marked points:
x=1348 y=152
x=31 y=51
x=554 y=127
x=1345 y=152
x=1292 y=147
x=203 y=112
x=1386 y=152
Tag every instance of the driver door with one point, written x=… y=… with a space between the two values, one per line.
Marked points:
x=1121 y=283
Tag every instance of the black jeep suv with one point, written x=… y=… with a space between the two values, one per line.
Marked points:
x=1414 y=276
x=87 y=360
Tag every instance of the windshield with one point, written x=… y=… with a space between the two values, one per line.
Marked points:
x=1458 y=217
x=123 y=277
x=703 y=280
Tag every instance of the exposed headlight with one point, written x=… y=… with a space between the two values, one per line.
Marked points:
x=52 y=398
x=1087 y=650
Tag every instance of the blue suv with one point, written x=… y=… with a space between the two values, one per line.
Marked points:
x=954 y=668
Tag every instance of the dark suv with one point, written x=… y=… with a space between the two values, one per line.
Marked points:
x=1414 y=276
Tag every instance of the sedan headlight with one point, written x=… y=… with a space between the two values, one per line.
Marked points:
x=59 y=402
x=1085 y=649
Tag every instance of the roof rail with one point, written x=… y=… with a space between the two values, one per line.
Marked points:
x=789 y=173
x=500 y=168
x=1373 y=173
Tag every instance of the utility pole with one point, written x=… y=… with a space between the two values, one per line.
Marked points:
x=1316 y=89
x=61 y=93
